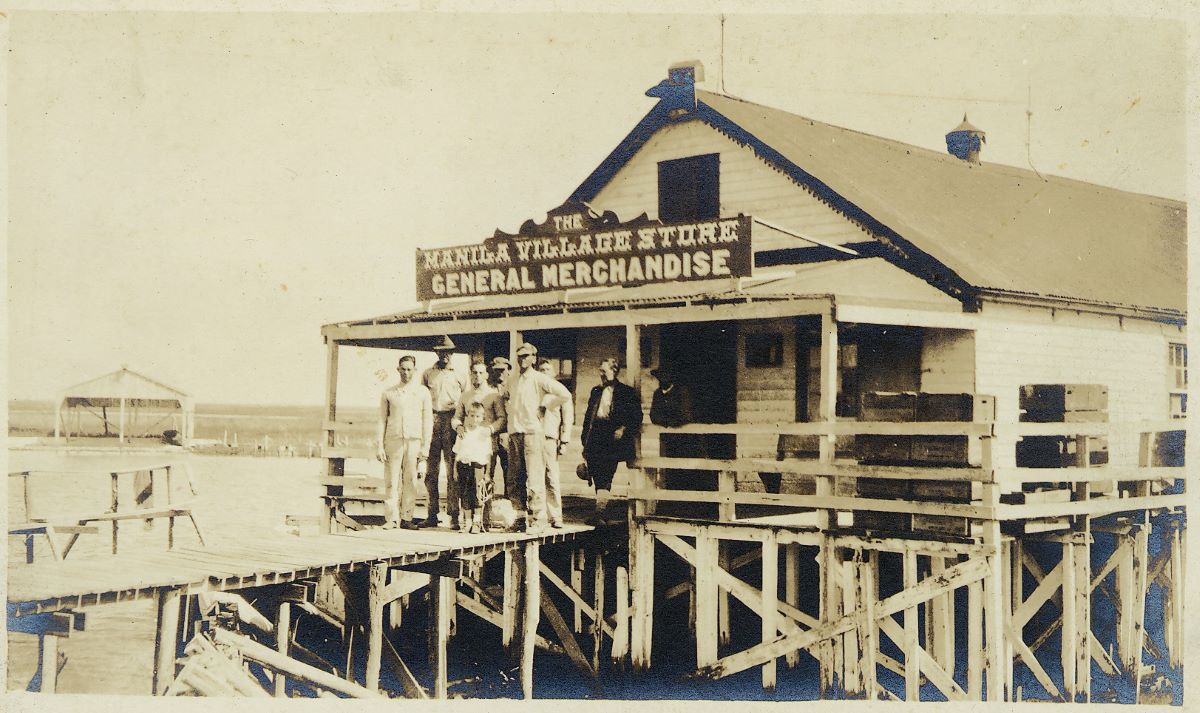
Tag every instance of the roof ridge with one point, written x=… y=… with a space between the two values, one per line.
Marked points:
x=954 y=161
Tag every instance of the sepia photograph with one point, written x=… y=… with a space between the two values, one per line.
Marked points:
x=435 y=351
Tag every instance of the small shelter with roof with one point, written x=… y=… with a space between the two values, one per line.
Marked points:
x=128 y=405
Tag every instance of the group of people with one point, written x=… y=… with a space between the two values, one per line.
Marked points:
x=513 y=421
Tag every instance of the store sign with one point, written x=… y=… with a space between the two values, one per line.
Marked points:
x=575 y=248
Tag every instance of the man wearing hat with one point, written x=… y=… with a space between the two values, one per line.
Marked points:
x=529 y=391
x=445 y=389
x=498 y=369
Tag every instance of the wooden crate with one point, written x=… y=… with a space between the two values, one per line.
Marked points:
x=954 y=407
x=883 y=450
x=945 y=491
x=939 y=450
x=883 y=521
x=1064 y=397
x=941 y=525
x=892 y=406
x=882 y=488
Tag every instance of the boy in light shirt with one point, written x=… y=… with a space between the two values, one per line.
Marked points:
x=472 y=454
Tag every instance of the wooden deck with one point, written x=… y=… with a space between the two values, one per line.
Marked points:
x=268 y=559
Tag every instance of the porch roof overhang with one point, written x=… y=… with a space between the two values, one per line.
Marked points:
x=789 y=291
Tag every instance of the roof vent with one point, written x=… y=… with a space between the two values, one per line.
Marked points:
x=966 y=141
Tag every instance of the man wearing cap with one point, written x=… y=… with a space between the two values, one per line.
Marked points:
x=497 y=373
x=529 y=391
x=556 y=425
x=446 y=390
x=405 y=430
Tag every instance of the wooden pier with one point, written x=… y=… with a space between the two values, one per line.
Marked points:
x=48 y=598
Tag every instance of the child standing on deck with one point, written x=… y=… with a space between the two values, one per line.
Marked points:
x=472 y=454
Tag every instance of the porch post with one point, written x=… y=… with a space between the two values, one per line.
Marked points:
x=335 y=467
x=827 y=412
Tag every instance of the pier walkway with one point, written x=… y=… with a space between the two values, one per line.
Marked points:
x=271 y=559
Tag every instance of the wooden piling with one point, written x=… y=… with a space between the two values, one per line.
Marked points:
x=912 y=641
x=48 y=662
x=868 y=630
x=376 y=584
x=621 y=632
x=598 y=607
x=283 y=626
x=770 y=604
x=442 y=600
x=791 y=588
x=166 y=640
x=532 y=598
x=706 y=599
x=578 y=565
x=512 y=596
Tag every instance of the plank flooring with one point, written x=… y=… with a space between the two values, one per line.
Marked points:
x=267 y=559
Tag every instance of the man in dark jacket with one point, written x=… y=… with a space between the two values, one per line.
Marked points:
x=611 y=427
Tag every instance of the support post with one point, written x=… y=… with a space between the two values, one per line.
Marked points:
x=994 y=617
x=532 y=609
x=912 y=641
x=770 y=604
x=283 y=632
x=166 y=640
x=706 y=600
x=512 y=595
x=828 y=651
x=974 y=641
x=851 y=662
x=334 y=467
x=1083 y=608
x=121 y=424
x=598 y=604
x=376 y=583
x=791 y=588
x=48 y=664
x=442 y=597
x=868 y=631
x=578 y=562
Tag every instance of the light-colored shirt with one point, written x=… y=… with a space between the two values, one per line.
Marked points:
x=445 y=387
x=474 y=446
x=494 y=416
x=527 y=393
x=558 y=420
x=604 y=408
x=405 y=411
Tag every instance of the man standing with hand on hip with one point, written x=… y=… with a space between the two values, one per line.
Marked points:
x=529 y=391
x=556 y=424
x=405 y=429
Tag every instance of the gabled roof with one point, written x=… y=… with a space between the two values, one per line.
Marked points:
x=127 y=384
x=964 y=227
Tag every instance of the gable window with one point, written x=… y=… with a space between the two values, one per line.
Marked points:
x=1177 y=379
x=689 y=189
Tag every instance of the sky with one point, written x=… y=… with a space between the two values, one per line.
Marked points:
x=194 y=194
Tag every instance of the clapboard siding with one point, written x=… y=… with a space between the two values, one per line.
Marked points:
x=748 y=185
x=766 y=394
x=948 y=361
x=1131 y=362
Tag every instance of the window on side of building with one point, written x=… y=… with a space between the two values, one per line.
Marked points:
x=689 y=189
x=1177 y=379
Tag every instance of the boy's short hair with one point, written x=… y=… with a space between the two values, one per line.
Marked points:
x=409 y=358
x=475 y=406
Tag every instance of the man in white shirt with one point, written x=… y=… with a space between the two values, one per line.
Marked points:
x=405 y=430
x=528 y=392
x=556 y=425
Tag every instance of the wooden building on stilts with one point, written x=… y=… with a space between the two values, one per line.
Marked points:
x=936 y=441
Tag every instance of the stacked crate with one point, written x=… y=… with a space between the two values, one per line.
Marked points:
x=1057 y=403
x=1061 y=403
x=917 y=451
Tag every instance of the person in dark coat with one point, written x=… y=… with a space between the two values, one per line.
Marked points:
x=611 y=428
x=671 y=407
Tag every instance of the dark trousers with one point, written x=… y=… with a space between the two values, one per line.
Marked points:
x=442 y=448
x=472 y=478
